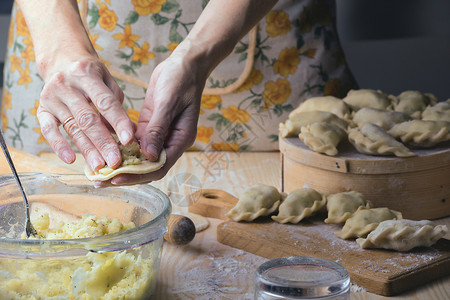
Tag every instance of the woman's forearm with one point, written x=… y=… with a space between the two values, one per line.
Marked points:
x=56 y=29
x=221 y=25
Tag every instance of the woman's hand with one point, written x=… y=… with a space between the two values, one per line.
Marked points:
x=81 y=95
x=170 y=113
x=78 y=92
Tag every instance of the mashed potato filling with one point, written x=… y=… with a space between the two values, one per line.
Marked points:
x=129 y=274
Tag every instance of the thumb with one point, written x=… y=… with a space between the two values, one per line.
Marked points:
x=152 y=136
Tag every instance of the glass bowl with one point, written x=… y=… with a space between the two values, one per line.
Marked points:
x=122 y=265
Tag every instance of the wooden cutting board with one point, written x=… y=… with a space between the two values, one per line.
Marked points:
x=379 y=271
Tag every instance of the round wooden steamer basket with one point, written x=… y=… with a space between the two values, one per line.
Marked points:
x=418 y=187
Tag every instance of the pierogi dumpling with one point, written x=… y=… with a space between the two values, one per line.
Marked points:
x=374 y=140
x=403 y=235
x=258 y=200
x=300 y=204
x=365 y=220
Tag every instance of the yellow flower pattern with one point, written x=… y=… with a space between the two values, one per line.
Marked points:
x=108 y=18
x=204 y=134
x=146 y=7
x=133 y=37
x=254 y=78
x=94 y=39
x=276 y=92
x=33 y=111
x=133 y=115
x=210 y=101
x=278 y=23
x=127 y=38
x=222 y=146
x=287 y=62
x=143 y=54
x=236 y=115
x=6 y=104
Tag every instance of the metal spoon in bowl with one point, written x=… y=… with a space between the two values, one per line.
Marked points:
x=29 y=229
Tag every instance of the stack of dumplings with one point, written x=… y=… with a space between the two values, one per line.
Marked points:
x=378 y=227
x=373 y=122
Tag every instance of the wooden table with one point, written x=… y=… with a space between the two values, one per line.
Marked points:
x=206 y=269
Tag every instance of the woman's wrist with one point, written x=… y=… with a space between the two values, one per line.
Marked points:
x=50 y=61
x=205 y=56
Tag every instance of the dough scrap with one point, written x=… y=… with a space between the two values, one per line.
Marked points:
x=403 y=235
x=365 y=220
x=420 y=133
x=414 y=103
x=322 y=137
x=386 y=119
x=201 y=223
x=292 y=126
x=372 y=139
x=300 y=204
x=341 y=206
x=358 y=99
x=326 y=103
x=438 y=112
x=258 y=200
x=133 y=162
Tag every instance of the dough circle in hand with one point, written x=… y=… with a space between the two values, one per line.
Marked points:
x=143 y=166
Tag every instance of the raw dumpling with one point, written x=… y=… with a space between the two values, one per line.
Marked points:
x=386 y=119
x=365 y=220
x=292 y=126
x=438 y=112
x=133 y=162
x=403 y=235
x=322 y=137
x=341 y=206
x=414 y=102
x=372 y=139
x=421 y=133
x=259 y=200
x=328 y=103
x=300 y=204
x=358 y=99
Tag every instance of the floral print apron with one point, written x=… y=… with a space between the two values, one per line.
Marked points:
x=292 y=54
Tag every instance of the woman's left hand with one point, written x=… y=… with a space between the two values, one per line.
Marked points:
x=170 y=113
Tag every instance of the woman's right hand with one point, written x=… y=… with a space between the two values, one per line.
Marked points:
x=78 y=92
x=81 y=95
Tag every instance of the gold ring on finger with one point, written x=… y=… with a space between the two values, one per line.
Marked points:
x=69 y=119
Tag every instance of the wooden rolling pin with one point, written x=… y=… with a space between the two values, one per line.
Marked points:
x=181 y=230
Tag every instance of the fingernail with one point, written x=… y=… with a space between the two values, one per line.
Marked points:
x=67 y=157
x=96 y=163
x=151 y=150
x=113 y=159
x=97 y=184
x=125 y=136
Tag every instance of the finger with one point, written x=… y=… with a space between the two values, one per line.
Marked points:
x=178 y=140
x=93 y=131
x=109 y=104
x=154 y=130
x=112 y=85
x=64 y=101
x=50 y=131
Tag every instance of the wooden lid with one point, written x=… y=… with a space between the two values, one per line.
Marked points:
x=351 y=161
